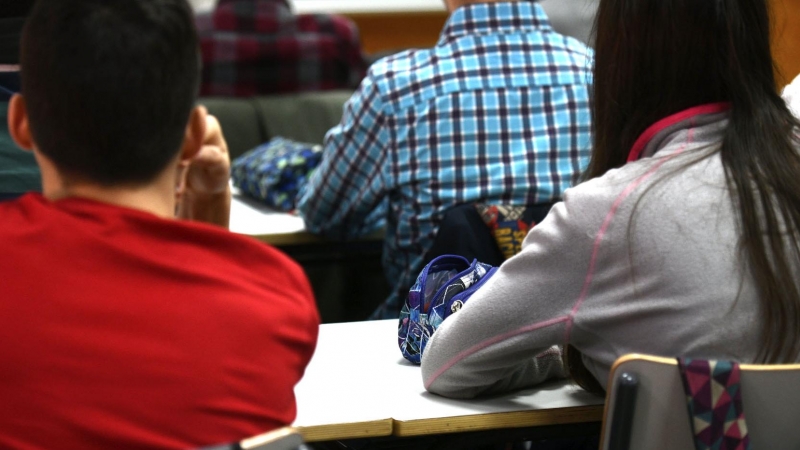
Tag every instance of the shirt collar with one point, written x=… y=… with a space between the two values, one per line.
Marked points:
x=494 y=18
x=651 y=140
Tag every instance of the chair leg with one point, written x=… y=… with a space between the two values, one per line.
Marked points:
x=624 y=409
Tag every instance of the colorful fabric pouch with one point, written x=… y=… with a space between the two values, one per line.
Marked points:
x=714 y=397
x=442 y=288
x=274 y=172
x=510 y=224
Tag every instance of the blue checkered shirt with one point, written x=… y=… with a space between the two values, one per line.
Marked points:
x=497 y=111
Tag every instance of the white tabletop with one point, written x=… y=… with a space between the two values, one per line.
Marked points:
x=253 y=218
x=358 y=381
x=248 y=216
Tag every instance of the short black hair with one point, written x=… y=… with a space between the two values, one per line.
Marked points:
x=12 y=18
x=109 y=85
x=15 y=8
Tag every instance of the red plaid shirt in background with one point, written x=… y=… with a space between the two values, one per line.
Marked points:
x=254 y=47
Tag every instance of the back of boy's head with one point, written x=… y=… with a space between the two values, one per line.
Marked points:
x=109 y=85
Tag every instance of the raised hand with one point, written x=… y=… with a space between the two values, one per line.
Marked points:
x=203 y=193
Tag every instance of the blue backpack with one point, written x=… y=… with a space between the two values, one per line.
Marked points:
x=442 y=288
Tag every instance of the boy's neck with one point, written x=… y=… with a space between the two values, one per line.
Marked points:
x=145 y=199
x=156 y=197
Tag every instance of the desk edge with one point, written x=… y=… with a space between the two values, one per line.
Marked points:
x=374 y=428
x=499 y=420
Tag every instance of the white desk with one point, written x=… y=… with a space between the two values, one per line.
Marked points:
x=250 y=217
x=275 y=227
x=359 y=385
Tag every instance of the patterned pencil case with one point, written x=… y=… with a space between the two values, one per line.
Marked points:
x=442 y=288
x=274 y=172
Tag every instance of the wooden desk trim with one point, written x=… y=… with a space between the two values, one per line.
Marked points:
x=375 y=428
x=283 y=239
x=305 y=238
x=479 y=422
x=492 y=421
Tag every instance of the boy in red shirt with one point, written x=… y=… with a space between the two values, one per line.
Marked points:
x=122 y=327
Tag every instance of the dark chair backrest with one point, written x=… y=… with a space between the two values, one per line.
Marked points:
x=304 y=117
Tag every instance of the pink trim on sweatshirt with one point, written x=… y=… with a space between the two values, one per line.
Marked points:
x=653 y=130
x=607 y=223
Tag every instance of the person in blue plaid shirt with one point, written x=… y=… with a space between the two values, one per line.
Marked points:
x=497 y=111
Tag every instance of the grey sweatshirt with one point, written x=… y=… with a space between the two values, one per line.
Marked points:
x=644 y=259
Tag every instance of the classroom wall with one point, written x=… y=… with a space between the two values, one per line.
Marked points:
x=385 y=32
x=786 y=39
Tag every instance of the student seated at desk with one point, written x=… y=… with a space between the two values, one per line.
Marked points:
x=496 y=112
x=123 y=327
x=18 y=170
x=684 y=239
x=258 y=47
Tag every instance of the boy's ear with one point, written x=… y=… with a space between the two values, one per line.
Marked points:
x=18 y=124
x=195 y=133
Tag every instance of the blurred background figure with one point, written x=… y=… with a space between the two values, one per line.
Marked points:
x=202 y=6
x=256 y=47
x=18 y=170
x=572 y=17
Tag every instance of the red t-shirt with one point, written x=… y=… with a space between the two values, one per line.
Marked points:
x=120 y=329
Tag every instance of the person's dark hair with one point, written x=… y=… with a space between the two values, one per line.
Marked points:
x=12 y=18
x=15 y=8
x=109 y=85
x=655 y=58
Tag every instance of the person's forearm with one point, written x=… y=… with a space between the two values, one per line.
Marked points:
x=213 y=208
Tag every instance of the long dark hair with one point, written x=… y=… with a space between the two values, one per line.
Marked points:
x=15 y=8
x=658 y=57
